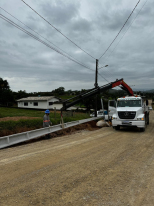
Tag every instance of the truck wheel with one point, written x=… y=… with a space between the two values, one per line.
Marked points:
x=142 y=129
x=117 y=127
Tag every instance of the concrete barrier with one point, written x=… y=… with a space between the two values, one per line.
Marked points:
x=7 y=141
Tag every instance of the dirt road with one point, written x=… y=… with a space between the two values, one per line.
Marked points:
x=92 y=168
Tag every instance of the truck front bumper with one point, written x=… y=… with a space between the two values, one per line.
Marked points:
x=128 y=123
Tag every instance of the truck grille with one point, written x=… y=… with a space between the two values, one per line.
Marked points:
x=126 y=115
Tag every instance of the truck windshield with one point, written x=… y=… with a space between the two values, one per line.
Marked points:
x=129 y=103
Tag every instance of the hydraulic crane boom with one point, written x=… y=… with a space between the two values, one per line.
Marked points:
x=94 y=91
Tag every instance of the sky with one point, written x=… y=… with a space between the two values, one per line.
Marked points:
x=29 y=65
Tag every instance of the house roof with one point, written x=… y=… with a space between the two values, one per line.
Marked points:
x=43 y=98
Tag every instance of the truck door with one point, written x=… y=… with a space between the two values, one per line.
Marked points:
x=111 y=108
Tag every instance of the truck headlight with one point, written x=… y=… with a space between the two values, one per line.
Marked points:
x=114 y=117
x=140 y=119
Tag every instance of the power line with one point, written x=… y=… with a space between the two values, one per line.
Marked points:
x=36 y=38
x=109 y=73
x=119 y=31
x=102 y=77
x=35 y=32
x=126 y=30
x=58 y=30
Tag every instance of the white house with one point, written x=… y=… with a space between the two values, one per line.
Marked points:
x=44 y=102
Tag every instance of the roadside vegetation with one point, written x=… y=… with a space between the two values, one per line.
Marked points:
x=31 y=119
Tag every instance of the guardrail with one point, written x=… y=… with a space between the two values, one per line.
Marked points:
x=7 y=141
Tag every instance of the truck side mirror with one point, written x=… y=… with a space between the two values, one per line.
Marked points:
x=112 y=103
x=147 y=102
x=115 y=104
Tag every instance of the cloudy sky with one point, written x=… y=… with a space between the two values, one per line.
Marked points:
x=92 y=25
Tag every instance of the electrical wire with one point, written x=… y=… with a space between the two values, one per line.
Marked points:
x=125 y=31
x=109 y=73
x=102 y=77
x=36 y=32
x=36 y=38
x=41 y=41
x=58 y=30
x=119 y=31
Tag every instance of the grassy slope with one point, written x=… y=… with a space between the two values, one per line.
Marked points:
x=12 y=127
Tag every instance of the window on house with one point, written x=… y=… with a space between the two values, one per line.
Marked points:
x=35 y=103
x=25 y=103
x=50 y=103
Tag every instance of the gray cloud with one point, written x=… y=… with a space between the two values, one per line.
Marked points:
x=60 y=12
x=31 y=66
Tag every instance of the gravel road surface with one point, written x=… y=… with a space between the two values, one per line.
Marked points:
x=92 y=168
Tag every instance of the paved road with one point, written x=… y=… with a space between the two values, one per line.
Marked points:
x=92 y=168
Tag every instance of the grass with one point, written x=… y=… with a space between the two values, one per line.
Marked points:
x=11 y=127
x=15 y=112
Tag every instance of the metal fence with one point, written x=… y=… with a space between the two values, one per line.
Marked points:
x=25 y=136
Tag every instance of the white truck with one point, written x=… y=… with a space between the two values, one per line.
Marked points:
x=129 y=111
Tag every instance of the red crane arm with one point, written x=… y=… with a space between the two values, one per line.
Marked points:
x=124 y=86
x=95 y=91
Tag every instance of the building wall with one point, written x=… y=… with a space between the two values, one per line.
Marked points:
x=44 y=104
x=72 y=108
x=57 y=106
x=41 y=104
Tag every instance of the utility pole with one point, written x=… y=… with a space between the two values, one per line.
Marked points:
x=96 y=85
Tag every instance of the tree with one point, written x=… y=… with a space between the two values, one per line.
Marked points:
x=69 y=92
x=20 y=94
x=59 y=91
x=6 y=95
x=4 y=85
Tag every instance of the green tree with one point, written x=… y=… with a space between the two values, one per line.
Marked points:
x=21 y=94
x=59 y=91
x=6 y=95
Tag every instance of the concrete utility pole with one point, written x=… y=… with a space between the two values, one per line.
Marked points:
x=96 y=85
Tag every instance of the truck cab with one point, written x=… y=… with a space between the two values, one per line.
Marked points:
x=130 y=111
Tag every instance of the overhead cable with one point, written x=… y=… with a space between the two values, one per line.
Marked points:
x=36 y=32
x=38 y=39
x=126 y=30
x=119 y=31
x=102 y=77
x=58 y=30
